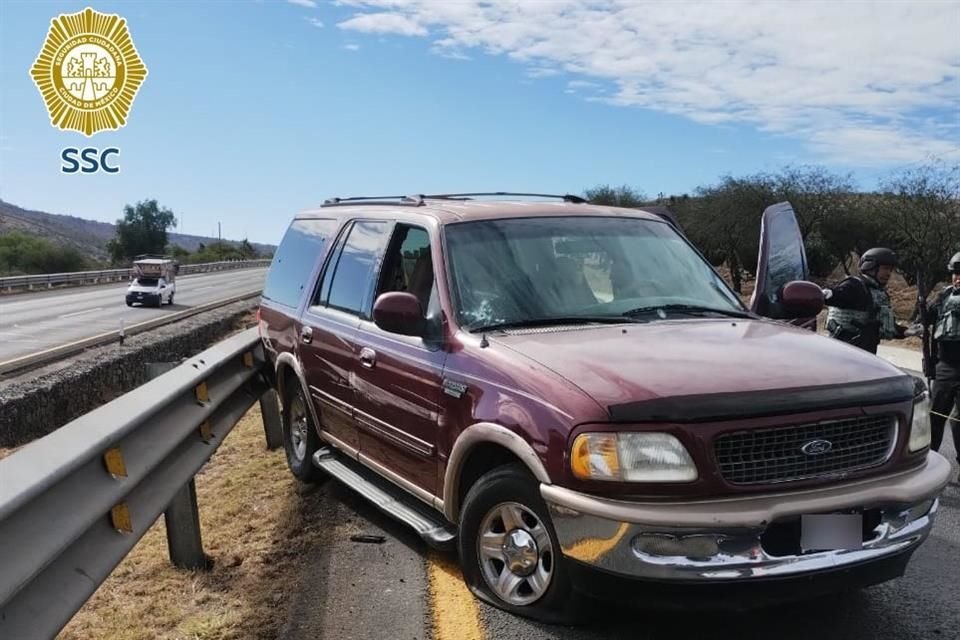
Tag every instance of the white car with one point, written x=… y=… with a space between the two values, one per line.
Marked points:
x=153 y=291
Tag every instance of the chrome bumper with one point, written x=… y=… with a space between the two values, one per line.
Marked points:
x=720 y=540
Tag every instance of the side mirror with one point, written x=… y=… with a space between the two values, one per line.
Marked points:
x=399 y=312
x=801 y=299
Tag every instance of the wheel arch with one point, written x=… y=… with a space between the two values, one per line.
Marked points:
x=288 y=371
x=495 y=444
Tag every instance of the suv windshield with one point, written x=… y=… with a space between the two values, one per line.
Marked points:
x=529 y=270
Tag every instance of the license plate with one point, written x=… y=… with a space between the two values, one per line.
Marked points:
x=829 y=532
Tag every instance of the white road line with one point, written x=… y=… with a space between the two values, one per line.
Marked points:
x=80 y=313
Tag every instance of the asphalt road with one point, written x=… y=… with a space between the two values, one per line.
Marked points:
x=32 y=322
x=354 y=590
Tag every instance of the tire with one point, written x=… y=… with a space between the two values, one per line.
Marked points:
x=129 y=304
x=170 y=300
x=300 y=438
x=546 y=593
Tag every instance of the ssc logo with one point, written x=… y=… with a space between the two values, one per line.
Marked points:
x=88 y=72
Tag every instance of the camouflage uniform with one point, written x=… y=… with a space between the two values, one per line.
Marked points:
x=860 y=313
x=945 y=317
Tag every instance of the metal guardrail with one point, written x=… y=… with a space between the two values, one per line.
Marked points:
x=55 y=353
x=74 y=503
x=49 y=280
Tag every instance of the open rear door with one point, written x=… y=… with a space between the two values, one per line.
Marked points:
x=782 y=260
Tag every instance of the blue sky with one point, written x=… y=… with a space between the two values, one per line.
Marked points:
x=255 y=110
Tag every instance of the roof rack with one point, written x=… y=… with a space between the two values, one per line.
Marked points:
x=409 y=201
x=467 y=196
x=417 y=200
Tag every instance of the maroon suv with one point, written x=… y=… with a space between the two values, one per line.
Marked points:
x=573 y=395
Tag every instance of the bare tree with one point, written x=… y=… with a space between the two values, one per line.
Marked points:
x=919 y=211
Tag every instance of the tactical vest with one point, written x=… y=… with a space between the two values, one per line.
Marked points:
x=948 y=319
x=854 y=321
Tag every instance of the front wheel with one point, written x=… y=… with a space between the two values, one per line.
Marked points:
x=508 y=550
x=300 y=439
x=170 y=300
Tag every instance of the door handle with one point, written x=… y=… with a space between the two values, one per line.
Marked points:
x=368 y=357
x=306 y=335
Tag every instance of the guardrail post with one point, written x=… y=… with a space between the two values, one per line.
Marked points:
x=183 y=530
x=272 y=426
x=182 y=517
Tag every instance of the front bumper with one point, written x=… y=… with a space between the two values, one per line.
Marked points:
x=144 y=298
x=723 y=540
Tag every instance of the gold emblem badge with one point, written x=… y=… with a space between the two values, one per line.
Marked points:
x=88 y=72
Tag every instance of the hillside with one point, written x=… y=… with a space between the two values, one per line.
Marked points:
x=88 y=236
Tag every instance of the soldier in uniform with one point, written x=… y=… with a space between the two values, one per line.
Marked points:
x=944 y=316
x=860 y=312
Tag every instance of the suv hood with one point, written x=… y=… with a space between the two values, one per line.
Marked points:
x=689 y=370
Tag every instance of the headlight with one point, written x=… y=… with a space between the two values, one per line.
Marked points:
x=631 y=457
x=920 y=427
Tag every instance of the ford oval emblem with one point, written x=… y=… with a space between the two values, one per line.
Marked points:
x=816 y=447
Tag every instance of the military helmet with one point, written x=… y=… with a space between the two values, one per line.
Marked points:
x=954 y=265
x=874 y=258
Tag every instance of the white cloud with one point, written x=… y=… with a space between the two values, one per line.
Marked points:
x=352 y=47
x=316 y=22
x=310 y=4
x=384 y=23
x=578 y=86
x=542 y=72
x=859 y=82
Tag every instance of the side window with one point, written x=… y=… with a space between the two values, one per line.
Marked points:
x=355 y=266
x=408 y=264
x=298 y=251
x=323 y=291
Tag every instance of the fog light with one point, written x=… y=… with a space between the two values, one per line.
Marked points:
x=666 y=545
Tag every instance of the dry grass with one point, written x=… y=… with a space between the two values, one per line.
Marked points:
x=254 y=530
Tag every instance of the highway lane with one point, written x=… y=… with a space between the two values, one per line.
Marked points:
x=32 y=322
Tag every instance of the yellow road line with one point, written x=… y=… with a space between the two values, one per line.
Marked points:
x=453 y=608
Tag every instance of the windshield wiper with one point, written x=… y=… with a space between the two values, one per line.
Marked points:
x=691 y=309
x=553 y=320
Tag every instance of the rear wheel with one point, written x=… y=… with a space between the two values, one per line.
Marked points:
x=508 y=550
x=300 y=439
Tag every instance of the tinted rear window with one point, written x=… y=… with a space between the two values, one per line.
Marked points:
x=295 y=259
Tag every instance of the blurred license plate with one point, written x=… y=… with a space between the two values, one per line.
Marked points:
x=824 y=532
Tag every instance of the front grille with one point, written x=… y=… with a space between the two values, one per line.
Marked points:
x=776 y=455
